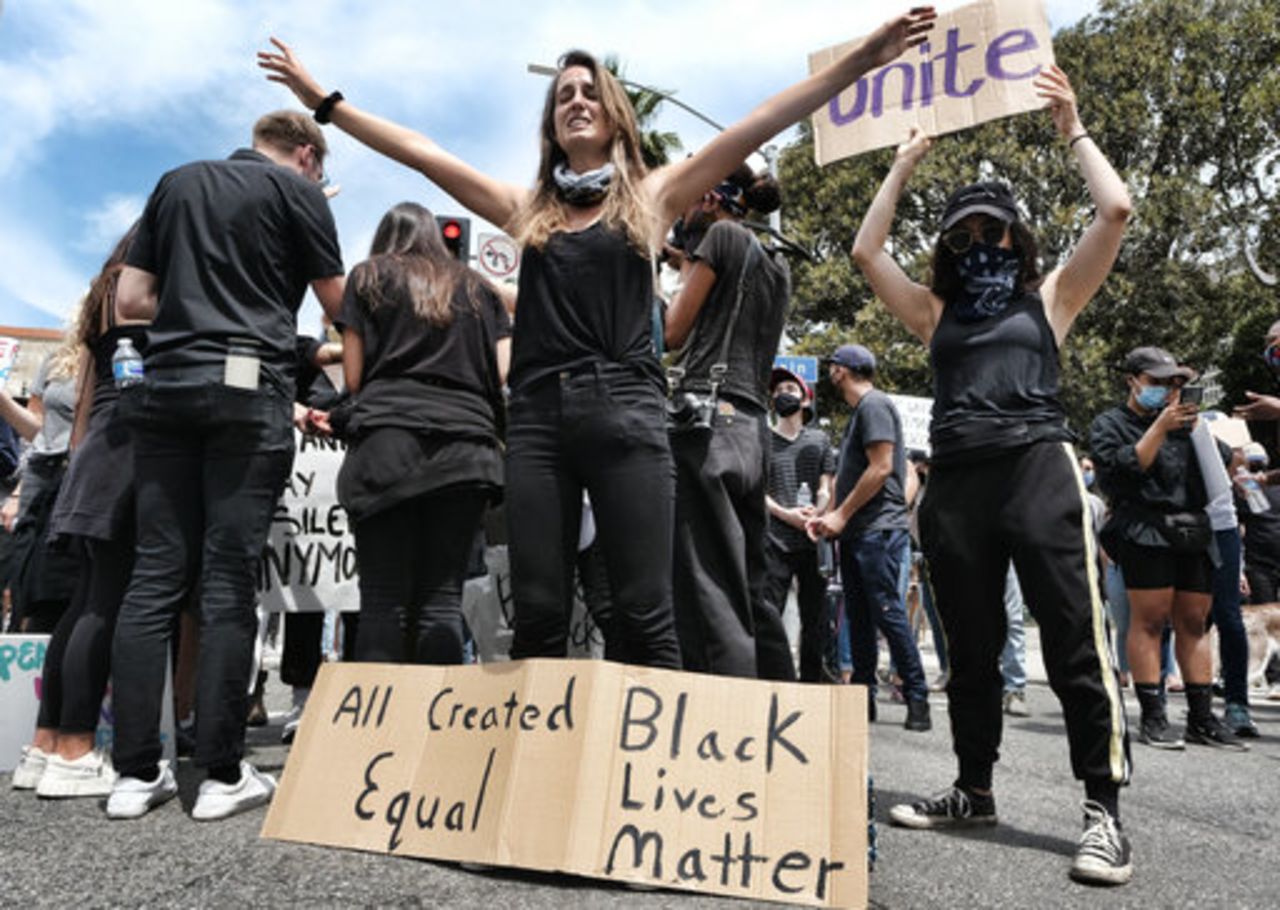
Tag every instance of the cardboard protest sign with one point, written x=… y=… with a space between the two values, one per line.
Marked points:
x=916 y=413
x=977 y=65
x=729 y=786
x=8 y=356
x=310 y=559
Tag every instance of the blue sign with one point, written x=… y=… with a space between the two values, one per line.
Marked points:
x=804 y=367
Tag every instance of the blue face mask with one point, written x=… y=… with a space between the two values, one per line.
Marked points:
x=1153 y=397
x=989 y=277
x=1088 y=480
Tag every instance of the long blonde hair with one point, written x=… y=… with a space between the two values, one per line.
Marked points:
x=625 y=208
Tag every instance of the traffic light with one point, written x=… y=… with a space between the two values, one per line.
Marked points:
x=456 y=234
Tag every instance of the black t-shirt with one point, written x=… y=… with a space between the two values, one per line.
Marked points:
x=406 y=357
x=766 y=292
x=233 y=245
x=804 y=459
x=995 y=383
x=1261 y=532
x=875 y=419
x=585 y=298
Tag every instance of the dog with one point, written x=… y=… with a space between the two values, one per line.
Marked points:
x=1262 y=628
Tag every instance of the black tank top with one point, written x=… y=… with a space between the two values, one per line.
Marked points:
x=995 y=383
x=586 y=298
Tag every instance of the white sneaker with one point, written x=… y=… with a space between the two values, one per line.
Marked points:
x=218 y=800
x=89 y=775
x=30 y=768
x=132 y=797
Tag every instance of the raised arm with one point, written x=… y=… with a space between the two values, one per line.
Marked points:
x=676 y=186
x=912 y=303
x=491 y=199
x=1068 y=288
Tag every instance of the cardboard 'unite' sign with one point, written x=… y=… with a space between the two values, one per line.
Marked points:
x=977 y=65
x=730 y=786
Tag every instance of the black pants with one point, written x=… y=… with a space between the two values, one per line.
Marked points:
x=303 y=639
x=603 y=430
x=78 y=660
x=815 y=628
x=414 y=558
x=726 y=624
x=1028 y=505
x=210 y=461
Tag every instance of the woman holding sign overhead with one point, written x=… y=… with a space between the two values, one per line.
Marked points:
x=1004 y=482
x=587 y=408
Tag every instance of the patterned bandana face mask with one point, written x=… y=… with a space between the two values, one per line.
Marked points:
x=990 y=277
x=1272 y=356
x=582 y=189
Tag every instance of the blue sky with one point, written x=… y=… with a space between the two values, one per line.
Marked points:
x=100 y=98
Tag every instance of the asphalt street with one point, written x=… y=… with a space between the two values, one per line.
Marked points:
x=1202 y=823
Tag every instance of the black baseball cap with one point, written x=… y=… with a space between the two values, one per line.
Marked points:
x=1156 y=363
x=988 y=198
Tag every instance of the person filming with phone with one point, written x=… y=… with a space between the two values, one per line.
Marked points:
x=1160 y=534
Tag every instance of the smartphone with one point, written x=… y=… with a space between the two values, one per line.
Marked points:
x=1192 y=394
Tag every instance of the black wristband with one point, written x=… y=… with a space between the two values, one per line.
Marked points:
x=1070 y=145
x=325 y=108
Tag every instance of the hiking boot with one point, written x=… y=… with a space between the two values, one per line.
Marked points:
x=918 y=716
x=132 y=797
x=217 y=800
x=952 y=808
x=89 y=775
x=31 y=765
x=1015 y=703
x=1238 y=721
x=1103 y=857
x=1210 y=731
x=1156 y=732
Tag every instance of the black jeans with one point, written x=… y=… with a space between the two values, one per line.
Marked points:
x=1029 y=505
x=78 y=660
x=603 y=430
x=816 y=637
x=414 y=558
x=210 y=461
x=726 y=625
x=301 y=657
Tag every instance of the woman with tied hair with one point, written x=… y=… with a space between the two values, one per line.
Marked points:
x=1004 y=483
x=587 y=404
x=425 y=347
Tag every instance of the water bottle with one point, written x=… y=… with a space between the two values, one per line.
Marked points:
x=826 y=557
x=1253 y=494
x=126 y=364
x=804 y=496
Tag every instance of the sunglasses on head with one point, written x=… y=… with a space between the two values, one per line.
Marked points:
x=959 y=239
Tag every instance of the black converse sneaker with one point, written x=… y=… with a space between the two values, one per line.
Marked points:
x=1103 y=857
x=1211 y=731
x=1156 y=732
x=953 y=808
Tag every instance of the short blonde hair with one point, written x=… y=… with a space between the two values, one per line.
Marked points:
x=287 y=130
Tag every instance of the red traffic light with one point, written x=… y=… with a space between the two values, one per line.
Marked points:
x=452 y=230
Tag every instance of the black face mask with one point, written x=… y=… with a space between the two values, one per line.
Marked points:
x=786 y=404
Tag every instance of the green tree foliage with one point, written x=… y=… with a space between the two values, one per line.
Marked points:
x=656 y=146
x=1183 y=96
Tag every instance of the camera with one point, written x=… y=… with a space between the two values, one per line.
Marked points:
x=1191 y=394
x=689 y=411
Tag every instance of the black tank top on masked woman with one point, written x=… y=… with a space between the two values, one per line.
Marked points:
x=995 y=383
x=586 y=300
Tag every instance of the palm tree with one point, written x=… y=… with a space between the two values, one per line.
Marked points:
x=656 y=146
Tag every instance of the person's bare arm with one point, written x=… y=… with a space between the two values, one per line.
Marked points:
x=684 y=310
x=352 y=359
x=879 y=467
x=136 y=295
x=329 y=292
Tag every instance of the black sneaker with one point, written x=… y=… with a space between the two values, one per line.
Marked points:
x=1211 y=731
x=953 y=808
x=1103 y=857
x=918 y=716
x=1156 y=732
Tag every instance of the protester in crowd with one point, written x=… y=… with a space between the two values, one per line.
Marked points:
x=1261 y=529
x=223 y=256
x=587 y=406
x=1266 y=407
x=1160 y=534
x=798 y=454
x=869 y=517
x=919 y=462
x=41 y=576
x=724 y=325
x=1004 y=480
x=94 y=516
x=425 y=352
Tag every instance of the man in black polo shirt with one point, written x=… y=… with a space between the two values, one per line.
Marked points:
x=224 y=253
x=870 y=518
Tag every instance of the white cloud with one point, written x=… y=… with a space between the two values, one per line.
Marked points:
x=107 y=223
x=36 y=272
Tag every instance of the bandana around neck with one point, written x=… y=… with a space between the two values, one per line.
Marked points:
x=990 y=277
x=582 y=189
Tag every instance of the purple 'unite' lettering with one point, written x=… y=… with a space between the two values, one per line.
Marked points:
x=908 y=87
x=951 y=58
x=839 y=117
x=1015 y=41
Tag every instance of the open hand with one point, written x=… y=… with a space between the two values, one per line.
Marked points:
x=286 y=68
x=890 y=40
x=1053 y=85
x=1260 y=407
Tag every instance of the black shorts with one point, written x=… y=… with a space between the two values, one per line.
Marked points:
x=1264 y=584
x=1146 y=568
